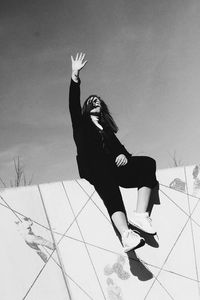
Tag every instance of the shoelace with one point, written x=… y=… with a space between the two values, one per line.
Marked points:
x=149 y=220
x=131 y=232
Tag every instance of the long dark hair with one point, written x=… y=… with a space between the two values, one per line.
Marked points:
x=105 y=116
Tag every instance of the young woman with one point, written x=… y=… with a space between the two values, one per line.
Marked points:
x=106 y=163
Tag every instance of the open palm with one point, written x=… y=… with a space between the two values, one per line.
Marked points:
x=78 y=63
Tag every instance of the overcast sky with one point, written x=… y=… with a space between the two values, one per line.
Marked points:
x=143 y=60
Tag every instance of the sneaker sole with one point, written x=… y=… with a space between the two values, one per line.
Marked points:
x=141 y=243
x=135 y=225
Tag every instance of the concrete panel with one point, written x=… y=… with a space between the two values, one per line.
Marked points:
x=30 y=268
x=89 y=251
x=91 y=241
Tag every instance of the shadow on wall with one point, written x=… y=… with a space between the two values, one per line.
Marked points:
x=137 y=268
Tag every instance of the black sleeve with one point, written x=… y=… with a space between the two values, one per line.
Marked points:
x=121 y=149
x=74 y=104
x=118 y=147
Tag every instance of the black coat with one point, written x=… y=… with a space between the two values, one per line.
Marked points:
x=94 y=149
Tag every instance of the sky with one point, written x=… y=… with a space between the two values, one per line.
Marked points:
x=143 y=60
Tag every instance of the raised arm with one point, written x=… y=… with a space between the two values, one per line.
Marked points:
x=74 y=92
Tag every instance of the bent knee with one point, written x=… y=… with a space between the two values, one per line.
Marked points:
x=150 y=162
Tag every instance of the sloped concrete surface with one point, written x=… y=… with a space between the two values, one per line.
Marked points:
x=86 y=250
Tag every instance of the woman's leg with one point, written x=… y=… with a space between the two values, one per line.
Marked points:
x=110 y=193
x=111 y=196
x=147 y=181
x=143 y=199
x=140 y=172
x=130 y=239
x=120 y=221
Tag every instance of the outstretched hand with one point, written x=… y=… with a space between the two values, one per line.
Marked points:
x=78 y=63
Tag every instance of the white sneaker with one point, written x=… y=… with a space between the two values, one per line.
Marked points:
x=143 y=222
x=131 y=240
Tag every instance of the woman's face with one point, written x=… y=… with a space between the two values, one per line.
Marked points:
x=94 y=104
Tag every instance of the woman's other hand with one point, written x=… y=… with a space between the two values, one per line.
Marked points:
x=121 y=160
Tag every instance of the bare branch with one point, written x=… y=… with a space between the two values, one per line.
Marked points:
x=176 y=162
x=20 y=178
x=3 y=182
